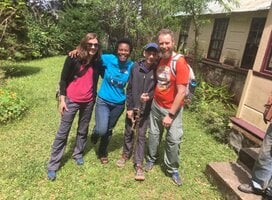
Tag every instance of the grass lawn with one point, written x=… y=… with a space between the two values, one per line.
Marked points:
x=25 y=148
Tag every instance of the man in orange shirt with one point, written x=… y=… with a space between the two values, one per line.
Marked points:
x=166 y=109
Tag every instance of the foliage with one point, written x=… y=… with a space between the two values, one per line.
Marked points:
x=40 y=7
x=75 y=22
x=45 y=37
x=13 y=30
x=138 y=20
x=25 y=148
x=214 y=107
x=28 y=27
x=11 y=106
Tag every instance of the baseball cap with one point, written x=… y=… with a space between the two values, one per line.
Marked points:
x=151 y=45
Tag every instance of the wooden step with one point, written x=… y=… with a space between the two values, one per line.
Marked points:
x=227 y=176
x=248 y=130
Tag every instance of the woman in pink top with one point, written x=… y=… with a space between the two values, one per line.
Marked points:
x=78 y=85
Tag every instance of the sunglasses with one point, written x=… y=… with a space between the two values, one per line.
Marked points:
x=90 y=45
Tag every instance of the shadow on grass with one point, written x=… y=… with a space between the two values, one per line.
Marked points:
x=115 y=143
x=19 y=70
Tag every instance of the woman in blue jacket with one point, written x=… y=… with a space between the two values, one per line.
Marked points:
x=110 y=102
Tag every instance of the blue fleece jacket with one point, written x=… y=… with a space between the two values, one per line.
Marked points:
x=116 y=76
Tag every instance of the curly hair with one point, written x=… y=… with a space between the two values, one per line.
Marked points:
x=83 y=52
x=122 y=41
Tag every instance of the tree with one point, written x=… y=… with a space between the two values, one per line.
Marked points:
x=139 y=20
x=12 y=27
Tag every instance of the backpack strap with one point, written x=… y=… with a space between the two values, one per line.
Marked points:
x=173 y=63
x=173 y=67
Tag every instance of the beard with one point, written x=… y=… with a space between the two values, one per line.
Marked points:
x=167 y=54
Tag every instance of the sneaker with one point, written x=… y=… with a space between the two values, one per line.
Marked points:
x=176 y=178
x=94 y=138
x=148 y=166
x=248 y=188
x=122 y=161
x=51 y=175
x=139 y=174
x=79 y=161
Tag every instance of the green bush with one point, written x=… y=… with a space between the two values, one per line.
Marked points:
x=11 y=106
x=214 y=106
x=75 y=22
x=14 y=33
x=45 y=38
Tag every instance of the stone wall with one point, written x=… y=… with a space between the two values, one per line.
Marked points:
x=219 y=74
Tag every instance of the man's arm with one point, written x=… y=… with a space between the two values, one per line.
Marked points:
x=178 y=98
x=168 y=119
x=182 y=78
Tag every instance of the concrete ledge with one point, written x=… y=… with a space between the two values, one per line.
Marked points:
x=227 y=177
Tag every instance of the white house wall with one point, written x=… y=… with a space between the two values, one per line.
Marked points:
x=257 y=88
x=235 y=39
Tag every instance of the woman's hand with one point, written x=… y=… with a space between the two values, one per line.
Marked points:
x=62 y=105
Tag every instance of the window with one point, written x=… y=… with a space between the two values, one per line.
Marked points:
x=252 y=44
x=267 y=62
x=183 y=34
x=217 y=40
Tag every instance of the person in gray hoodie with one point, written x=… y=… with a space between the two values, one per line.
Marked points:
x=140 y=92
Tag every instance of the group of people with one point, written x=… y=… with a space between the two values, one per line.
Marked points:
x=152 y=94
x=153 y=97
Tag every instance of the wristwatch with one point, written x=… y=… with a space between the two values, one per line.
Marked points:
x=171 y=115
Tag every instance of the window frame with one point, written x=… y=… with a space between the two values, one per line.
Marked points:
x=267 y=56
x=248 y=51
x=217 y=21
x=184 y=33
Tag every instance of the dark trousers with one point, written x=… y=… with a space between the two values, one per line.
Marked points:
x=59 y=144
x=129 y=139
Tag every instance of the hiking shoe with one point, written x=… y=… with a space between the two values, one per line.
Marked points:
x=94 y=138
x=122 y=161
x=148 y=166
x=139 y=174
x=248 y=188
x=51 y=175
x=176 y=178
x=79 y=161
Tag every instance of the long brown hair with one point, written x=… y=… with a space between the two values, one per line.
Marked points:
x=83 y=53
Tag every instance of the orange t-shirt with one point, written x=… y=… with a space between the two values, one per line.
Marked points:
x=166 y=88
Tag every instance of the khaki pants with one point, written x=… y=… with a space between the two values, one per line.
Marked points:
x=172 y=139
